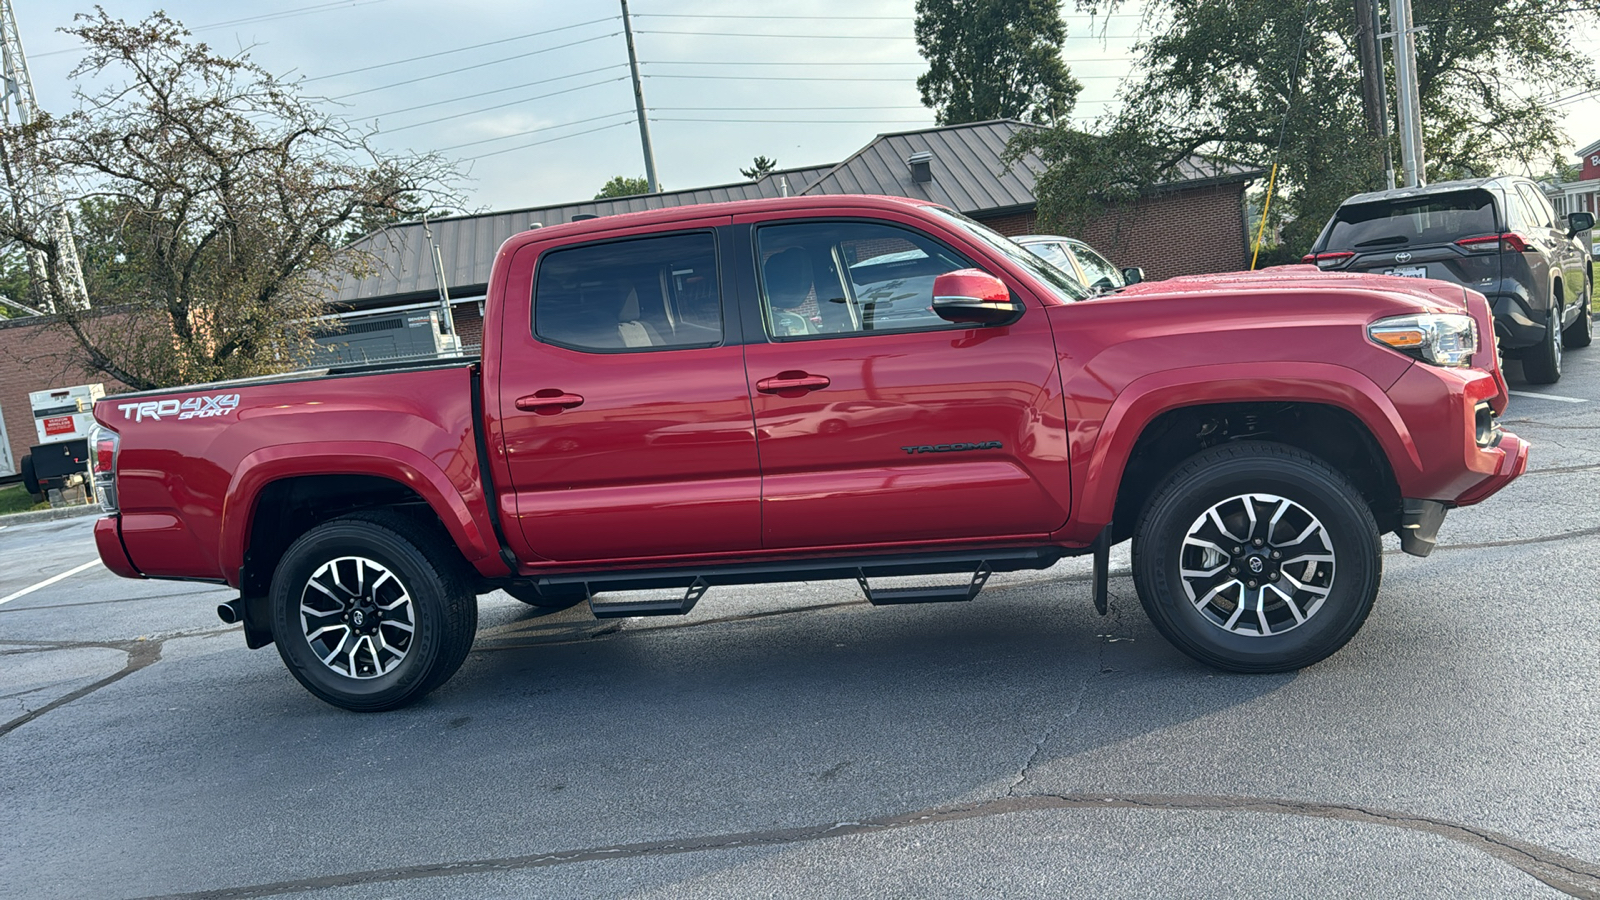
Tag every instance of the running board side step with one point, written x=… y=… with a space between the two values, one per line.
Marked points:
x=932 y=594
x=654 y=606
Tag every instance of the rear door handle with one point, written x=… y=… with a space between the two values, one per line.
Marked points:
x=548 y=401
x=792 y=383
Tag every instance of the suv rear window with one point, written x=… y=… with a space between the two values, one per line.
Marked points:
x=1435 y=219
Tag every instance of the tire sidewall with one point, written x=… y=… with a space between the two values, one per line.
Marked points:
x=1350 y=529
x=406 y=564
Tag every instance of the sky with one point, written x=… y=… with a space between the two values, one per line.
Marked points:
x=533 y=96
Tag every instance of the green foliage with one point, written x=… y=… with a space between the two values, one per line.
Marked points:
x=760 y=167
x=623 y=186
x=212 y=202
x=1223 y=79
x=14 y=282
x=994 y=59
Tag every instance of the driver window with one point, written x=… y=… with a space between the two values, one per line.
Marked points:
x=848 y=278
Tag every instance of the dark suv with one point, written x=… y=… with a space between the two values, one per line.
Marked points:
x=1498 y=236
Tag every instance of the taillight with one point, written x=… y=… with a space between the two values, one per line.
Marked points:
x=1509 y=242
x=1327 y=260
x=103 y=444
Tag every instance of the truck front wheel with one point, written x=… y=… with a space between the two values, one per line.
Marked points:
x=367 y=620
x=1257 y=557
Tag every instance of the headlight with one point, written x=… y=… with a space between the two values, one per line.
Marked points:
x=1443 y=339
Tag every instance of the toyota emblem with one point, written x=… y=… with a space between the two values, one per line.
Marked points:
x=1402 y=256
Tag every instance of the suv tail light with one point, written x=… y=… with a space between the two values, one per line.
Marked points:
x=1509 y=242
x=103 y=443
x=1327 y=260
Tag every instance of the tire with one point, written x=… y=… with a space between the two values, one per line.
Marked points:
x=550 y=599
x=1581 y=332
x=30 y=479
x=1541 y=363
x=1344 y=568
x=415 y=589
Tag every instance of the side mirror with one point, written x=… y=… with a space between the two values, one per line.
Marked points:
x=1133 y=275
x=974 y=297
x=1579 y=221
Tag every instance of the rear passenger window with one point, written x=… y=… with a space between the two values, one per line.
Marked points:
x=654 y=293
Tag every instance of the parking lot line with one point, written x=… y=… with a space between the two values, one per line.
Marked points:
x=1556 y=397
x=48 y=581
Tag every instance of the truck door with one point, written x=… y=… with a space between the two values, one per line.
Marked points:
x=623 y=405
x=877 y=421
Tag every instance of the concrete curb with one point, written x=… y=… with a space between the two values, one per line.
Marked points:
x=51 y=515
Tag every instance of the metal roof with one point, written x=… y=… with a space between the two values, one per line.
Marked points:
x=968 y=174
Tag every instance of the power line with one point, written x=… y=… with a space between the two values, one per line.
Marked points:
x=821 y=77
x=824 y=18
x=541 y=129
x=924 y=119
x=695 y=62
x=554 y=139
x=859 y=37
x=769 y=108
x=290 y=13
x=503 y=105
x=395 y=112
x=508 y=40
x=492 y=62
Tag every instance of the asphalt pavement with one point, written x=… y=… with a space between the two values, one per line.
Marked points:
x=792 y=741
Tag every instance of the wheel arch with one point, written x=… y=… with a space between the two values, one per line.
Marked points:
x=1149 y=408
x=278 y=493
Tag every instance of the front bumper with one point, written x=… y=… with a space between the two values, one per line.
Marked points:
x=1512 y=464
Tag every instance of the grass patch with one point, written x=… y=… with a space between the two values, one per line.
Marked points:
x=13 y=499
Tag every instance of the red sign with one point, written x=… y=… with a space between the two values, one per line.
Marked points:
x=54 y=425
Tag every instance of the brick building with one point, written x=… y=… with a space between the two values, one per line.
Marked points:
x=1582 y=195
x=1193 y=224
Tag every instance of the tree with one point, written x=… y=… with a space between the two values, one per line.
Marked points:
x=623 y=186
x=212 y=200
x=760 y=167
x=1227 y=79
x=994 y=59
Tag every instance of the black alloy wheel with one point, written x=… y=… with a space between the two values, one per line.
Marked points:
x=1581 y=332
x=1541 y=364
x=1257 y=557
x=365 y=618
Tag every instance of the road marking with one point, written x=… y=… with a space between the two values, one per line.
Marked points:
x=1556 y=397
x=49 y=581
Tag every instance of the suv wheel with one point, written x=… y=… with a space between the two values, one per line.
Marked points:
x=1581 y=331
x=1541 y=364
x=1257 y=557
x=365 y=618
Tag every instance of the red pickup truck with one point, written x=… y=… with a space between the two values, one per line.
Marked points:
x=818 y=388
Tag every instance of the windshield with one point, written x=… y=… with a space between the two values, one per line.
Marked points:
x=1065 y=286
x=1415 y=221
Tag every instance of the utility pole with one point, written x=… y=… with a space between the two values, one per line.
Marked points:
x=1374 y=97
x=1405 y=75
x=34 y=193
x=638 y=103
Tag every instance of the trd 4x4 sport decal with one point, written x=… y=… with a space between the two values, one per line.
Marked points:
x=187 y=408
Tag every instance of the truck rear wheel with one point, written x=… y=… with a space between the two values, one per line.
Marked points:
x=366 y=619
x=1257 y=557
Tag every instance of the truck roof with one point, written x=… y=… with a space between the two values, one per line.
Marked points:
x=727 y=208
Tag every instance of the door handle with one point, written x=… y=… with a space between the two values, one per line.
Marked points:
x=548 y=402
x=795 y=382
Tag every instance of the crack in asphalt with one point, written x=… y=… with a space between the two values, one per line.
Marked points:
x=142 y=652
x=1570 y=875
x=140 y=655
